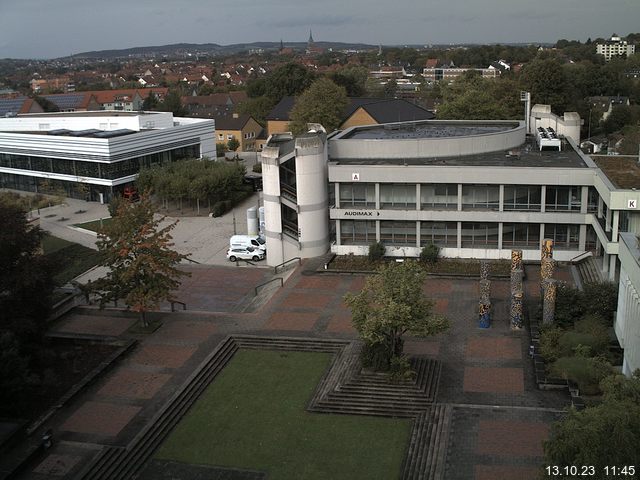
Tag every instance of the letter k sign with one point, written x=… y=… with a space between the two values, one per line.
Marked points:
x=632 y=204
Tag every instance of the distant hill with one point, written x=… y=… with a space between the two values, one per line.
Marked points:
x=181 y=49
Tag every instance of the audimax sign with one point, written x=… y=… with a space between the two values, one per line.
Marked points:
x=361 y=213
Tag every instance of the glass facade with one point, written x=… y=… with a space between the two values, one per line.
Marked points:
x=398 y=196
x=443 y=234
x=479 y=235
x=522 y=198
x=520 y=235
x=480 y=197
x=357 y=232
x=442 y=196
x=357 y=195
x=565 y=237
x=563 y=199
x=398 y=233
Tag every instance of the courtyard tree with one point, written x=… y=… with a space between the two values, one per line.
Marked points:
x=392 y=304
x=604 y=435
x=323 y=102
x=142 y=265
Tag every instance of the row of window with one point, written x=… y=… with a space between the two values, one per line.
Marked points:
x=110 y=171
x=398 y=196
x=473 y=234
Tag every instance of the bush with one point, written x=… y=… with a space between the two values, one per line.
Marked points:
x=376 y=251
x=549 y=338
x=600 y=299
x=400 y=369
x=569 y=341
x=429 y=253
x=375 y=356
x=220 y=208
x=257 y=168
x=568 y=306
x=587 y=373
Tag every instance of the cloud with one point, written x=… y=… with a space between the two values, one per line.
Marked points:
x=310 y=21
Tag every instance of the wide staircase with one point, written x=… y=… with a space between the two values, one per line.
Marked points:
x=589 y=270
x=344 y=389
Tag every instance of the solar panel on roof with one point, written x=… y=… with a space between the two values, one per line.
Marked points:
x=114 y=133
x=11 y=105
x=67 y=101
x=59 y=131
x=84 y=133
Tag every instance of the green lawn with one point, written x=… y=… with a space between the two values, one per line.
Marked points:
x=94 y=225
x=69 y=259
x=252 y=416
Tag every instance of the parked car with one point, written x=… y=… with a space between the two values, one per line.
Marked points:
x=234 y=254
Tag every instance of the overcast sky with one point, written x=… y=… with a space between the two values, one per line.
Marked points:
x=54 y=28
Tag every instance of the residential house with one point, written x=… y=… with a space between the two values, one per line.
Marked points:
x=12 y=106
x=243 y=128
x=215 y=105
x=74 y=102
x=605 y=105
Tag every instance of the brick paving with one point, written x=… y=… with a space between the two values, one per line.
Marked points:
x=57 y=465
x=132 y=384
x=169 y=356
x=505 y=472
x=511 y=438
x=100 y=418
x=480 y=367
x=493 y=380
x=95 y=325
x=298 y=321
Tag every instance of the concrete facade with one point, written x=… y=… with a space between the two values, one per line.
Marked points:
x=627 y=320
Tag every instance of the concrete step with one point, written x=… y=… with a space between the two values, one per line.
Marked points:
x=589 y=270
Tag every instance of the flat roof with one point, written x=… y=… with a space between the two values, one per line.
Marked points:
x=90 y=113
x=527 y=155
x=624 y=172
x=432 y=129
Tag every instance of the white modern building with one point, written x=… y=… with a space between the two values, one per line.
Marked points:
x=104 y=150
x=627 y=322
x=476 y=188
x=615 y=47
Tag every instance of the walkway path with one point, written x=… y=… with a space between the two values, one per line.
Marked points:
x=499 y=416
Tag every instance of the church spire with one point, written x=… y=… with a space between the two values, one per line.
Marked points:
x=310 y=41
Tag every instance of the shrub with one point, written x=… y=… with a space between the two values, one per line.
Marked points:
x=600 y=299
x=568 y=306
x=400 y=369
x=257 y=168
x=375 y=356
x=220 y=208
x=569 y=341
x=549 y=338
x=587 y=373
x=376 y=251
x=429 y=253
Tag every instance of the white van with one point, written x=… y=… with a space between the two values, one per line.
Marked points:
x=247 y=241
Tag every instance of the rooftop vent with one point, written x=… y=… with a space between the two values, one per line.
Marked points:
x=548 y=138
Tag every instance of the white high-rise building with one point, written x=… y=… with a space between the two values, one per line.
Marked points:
x=615 y=47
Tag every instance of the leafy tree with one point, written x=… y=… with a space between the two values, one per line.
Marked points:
x=429 y=253
x=138 y=252
x=376 y=251
x=290 y=79
x=390 y=88
x=390 y=305
x=604 y=435
x=26 y=282
x=258 y=108
x=620 y=117
x=323 y=102
x=547 y=82
x=353 y=78
x=220 y=149
x=150 y=103
x=233 y=144
x=172 y=103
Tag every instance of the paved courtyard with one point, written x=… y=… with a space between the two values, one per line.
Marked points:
x=499 y=421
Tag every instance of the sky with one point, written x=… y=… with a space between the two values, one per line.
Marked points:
x=55 y=28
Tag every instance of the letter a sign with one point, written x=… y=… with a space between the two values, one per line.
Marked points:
x=632 y=204
x=355 y=177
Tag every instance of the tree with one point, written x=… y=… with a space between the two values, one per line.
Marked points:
x=604 y=435
x=137 y=251
x=390 y=305
x=150 y=103
x=172 y=103
x=323 y=102
x=258 y=108
x=233 y=144
x=26 y=281
x=287 y=80
x=46 y=104
x=353 y=78
x=547 y=82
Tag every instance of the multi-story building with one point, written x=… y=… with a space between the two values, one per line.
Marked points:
x=242 y=128
x=95 y=153
x=451 y=73
x=627 y=322
x=615 y=47
x=477 y=189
